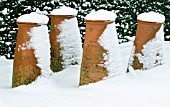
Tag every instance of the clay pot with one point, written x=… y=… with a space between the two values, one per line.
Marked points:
x=146 y=31
x=25 y=69
x=56 y=59
x=91 y=71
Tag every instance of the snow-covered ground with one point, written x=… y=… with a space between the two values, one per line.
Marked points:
x=150 y=88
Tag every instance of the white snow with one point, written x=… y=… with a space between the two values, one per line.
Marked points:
x=101 y=15
x=41 y=12
x=152 y=51
x=64 y=11
x=130 y=38
x=24 y=46
x=70 y=42
x=33 y=17
x=40 y=42
x=149 y=89
x=109 y=41
x=5 y=11
x=151 y=17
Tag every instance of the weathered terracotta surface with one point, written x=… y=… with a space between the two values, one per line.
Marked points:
x=56 y=59
x=145 y=32
x=91 y=71
x=25 y=69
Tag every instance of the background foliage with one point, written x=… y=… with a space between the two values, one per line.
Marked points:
x=126 y=10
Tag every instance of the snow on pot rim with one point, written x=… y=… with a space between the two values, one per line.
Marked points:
x=64 y=11
x=99 y=21
x=62 y=16
x=101 y=15
x=33 y=17
x=151 y=17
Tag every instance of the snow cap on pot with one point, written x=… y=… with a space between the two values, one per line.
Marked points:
x=64 y=11
x=151 y=17
x=101 y=15
x=33 y=17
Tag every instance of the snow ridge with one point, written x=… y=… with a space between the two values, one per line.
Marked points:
x=70 y=42
x=41 y=44
x=109 y=41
